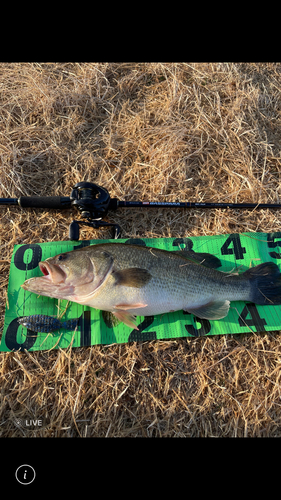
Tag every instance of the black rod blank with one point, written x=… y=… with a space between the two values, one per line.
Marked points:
x=187 y=204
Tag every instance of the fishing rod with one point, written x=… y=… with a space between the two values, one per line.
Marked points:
x=94 y=202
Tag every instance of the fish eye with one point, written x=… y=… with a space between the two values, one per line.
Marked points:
x=62 y=257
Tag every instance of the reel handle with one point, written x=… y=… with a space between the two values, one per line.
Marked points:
x=74 y=228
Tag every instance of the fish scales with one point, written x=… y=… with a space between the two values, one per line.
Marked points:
x=130 y=280
x=175 y=284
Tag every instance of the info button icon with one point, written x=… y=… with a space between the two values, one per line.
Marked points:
x=25 y=474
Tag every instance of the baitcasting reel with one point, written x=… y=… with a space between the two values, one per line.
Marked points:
x=93 y=202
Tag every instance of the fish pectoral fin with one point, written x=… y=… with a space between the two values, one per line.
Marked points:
x=216 y=309
x=130 y=306
x=126 y=318
x=133 y=277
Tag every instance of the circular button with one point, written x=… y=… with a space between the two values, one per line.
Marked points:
x=25 y=474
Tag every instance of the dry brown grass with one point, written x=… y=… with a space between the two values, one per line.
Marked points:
x=163 y=132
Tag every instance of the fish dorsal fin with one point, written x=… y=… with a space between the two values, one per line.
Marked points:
x=206 y=259
x=212 y=310
x=133 y=277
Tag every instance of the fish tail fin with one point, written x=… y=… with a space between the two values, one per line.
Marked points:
x=265 y=281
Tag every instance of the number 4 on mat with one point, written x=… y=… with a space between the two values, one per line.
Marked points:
x=237 y=249
x=254 y=320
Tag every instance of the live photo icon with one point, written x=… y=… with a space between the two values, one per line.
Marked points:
x=25 y=474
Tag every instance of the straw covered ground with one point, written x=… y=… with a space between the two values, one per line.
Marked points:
x=145 y=131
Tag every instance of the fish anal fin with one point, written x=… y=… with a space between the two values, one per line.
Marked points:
x=126 y=318
x=216 y=309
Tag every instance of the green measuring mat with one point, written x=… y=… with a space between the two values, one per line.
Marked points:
x=235 y=251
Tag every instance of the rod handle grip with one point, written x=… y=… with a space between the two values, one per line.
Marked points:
x=45 y=201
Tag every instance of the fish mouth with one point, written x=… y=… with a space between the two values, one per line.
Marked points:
x=52 y=272
x=44 y=269
x=51 y=284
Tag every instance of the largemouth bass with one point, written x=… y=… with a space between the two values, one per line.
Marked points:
x=130 y=280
